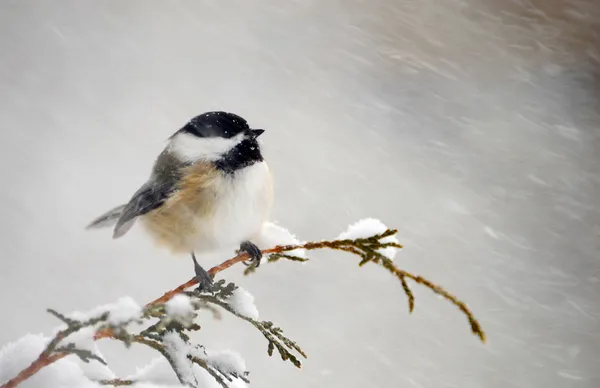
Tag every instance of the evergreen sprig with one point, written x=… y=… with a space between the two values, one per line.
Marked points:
x=368 y=249
x=274 y=335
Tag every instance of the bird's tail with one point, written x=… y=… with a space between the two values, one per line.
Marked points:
x=108 y=219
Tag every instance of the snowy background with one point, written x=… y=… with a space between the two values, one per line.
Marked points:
x=470 y=125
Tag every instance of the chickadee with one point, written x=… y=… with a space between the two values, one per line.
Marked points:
x=210 y=188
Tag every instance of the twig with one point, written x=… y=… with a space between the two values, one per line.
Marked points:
x=273 y=334
x=344 y=245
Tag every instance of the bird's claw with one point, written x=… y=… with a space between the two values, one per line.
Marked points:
x=254 y=252
x=205 y=281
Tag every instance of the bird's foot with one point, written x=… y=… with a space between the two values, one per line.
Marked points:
x=254 y=252
x=205 y=280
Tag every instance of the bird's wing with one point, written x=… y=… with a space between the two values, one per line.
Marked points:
x=149 y=197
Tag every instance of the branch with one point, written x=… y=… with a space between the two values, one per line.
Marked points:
x=366 y=248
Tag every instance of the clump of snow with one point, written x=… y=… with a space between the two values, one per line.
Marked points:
x=226 y=361
x=124 y=310
x=272 y=235
x=362 y=229
x=242 y=302
x=178 y=351
x=369 y=227
x=180 y=306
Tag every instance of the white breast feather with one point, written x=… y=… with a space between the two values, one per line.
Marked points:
x=243 y=203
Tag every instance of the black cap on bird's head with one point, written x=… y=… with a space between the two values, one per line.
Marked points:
x=224 y=138
x=219 y=124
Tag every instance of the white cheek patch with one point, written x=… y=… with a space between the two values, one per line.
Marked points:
x=190 y=148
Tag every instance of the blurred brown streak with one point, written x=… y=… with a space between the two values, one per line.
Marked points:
x=575 y=31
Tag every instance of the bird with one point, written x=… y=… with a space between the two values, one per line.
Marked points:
x=209 y=189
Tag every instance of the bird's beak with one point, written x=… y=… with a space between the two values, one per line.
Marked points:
x=257 y=132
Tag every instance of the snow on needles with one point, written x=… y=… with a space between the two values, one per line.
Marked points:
x=368 y=227
x=123 y=310
x=68 y=372
x=180 y=306
x=226 y=361
x=178 y=351
x=242 y=302
x=71 y=372
x=272 y=235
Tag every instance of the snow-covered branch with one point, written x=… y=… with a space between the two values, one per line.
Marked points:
x=170 y=319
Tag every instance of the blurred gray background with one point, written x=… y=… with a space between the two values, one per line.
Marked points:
x=470 y=125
